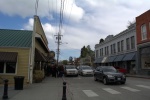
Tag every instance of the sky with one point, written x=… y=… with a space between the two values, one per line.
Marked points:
x=85 y=22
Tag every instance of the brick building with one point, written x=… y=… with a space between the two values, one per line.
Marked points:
x=143 y=43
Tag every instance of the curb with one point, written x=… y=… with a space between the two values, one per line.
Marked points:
x=145 y=77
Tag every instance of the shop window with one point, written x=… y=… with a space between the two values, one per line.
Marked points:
x=1 y=67
x=143 y=32
x=8 y=67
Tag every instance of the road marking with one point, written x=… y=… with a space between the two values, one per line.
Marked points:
x=90 y=93
x=130 y=89
x=144 y=86
x=111 y=91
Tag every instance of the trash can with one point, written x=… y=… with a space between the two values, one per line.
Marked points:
x=19 y=80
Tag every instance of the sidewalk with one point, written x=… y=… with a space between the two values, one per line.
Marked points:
x=50 y=89
x=138 y=76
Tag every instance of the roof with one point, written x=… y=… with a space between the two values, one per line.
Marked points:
x=15 y=38
x=8 y=56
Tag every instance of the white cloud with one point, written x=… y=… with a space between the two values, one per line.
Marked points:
x=46 y=8
x=85 y=21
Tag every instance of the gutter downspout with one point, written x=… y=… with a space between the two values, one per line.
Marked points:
x=33 y=50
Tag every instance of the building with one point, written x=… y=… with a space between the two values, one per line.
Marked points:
x=119 y=50
x=143 y=43
x=22 y=51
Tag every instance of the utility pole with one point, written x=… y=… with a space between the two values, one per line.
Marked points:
x=58 y=38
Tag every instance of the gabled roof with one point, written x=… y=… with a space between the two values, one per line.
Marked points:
x=15 y=38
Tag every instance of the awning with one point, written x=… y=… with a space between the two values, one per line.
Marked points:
x=129 y=56
x=104 y=60
x=119 y=58
x=39 y=56
x=8 y=56
x=98 y=60
x=111 y=59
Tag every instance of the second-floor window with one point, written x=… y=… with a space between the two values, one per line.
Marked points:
x=107 y=50
x=114 y=48
x=118 y=44
x=143 y=32
x=122 y=45
x=132 y=42
x=128 y=44
x=111 y=49
x=96 y=53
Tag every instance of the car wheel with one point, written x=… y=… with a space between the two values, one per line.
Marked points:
x=123 y=82
x=77 y=75
x=105 y=81
x=95 y=79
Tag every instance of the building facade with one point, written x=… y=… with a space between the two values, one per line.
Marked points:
x=119 y=50
x=143 y=43
x=22 y=51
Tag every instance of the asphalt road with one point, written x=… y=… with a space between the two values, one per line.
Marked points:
x=85 y=88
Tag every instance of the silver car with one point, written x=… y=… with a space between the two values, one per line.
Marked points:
x=85 y=70
x=71 y=70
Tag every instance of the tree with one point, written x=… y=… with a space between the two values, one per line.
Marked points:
x=101 y=40
x=84 y=52
x=65 y=62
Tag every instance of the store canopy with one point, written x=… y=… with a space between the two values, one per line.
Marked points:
x=104 y=60
x=39 y=56
x=119 y=58
x=98 y=60
x=8 y=56
x=111 y=59
x=129 y=56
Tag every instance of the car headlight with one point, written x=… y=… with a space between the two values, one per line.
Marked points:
x=110 y=76
x=123 y=76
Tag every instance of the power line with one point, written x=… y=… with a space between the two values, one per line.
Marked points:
x=36 y=6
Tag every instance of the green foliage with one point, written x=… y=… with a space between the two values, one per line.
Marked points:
x=65 y=62
x=101 y=40
x=86 y=51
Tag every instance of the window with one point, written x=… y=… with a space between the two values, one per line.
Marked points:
x=111 y=49
x=107 y=50
x=143 y=32
x=132 y=42
x=118 y=46
x=96 y=53
x=114 y=48
x=1 y=67
x=127 y=44
x=122 y=43
x=8 y=67
x=102 y=51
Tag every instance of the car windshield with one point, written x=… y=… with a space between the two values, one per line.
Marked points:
x=109 y=70
x=85 y=68
x=70 y=67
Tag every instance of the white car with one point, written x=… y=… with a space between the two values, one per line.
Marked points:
x=71 y=70
x=85 y=70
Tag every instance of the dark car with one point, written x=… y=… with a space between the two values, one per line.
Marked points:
x=108 y=74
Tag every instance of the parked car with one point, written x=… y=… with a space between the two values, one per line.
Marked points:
x=108 y=74
x=70 y=70
x=85 y=70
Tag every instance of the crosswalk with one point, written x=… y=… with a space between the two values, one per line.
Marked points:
x=91 y=93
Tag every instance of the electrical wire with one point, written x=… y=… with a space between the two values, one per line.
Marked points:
x=36 y=6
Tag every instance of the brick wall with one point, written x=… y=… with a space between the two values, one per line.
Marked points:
x=140 y=20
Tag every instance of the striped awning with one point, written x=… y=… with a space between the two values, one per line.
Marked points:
x=8 y=56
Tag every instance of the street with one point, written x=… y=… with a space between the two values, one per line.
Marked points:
x=82 y=88
x=85 y=88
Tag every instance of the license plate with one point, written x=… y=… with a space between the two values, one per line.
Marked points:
x=119 y=78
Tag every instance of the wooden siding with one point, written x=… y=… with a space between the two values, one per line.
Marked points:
x=22 y=64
